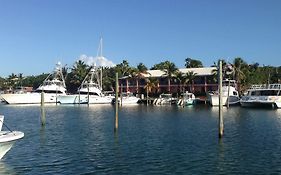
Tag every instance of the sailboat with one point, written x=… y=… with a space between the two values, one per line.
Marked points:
x=53 y=86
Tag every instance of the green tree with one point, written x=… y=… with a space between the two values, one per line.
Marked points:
x=151 y=85
x=193 y=63
x=190 y=76
x=76 y=76
x=170 y=70
x=239 y=66
x=138 y=73
x=123 y=69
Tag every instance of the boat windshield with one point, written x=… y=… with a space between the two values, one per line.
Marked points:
x=230 y=82
x=48 y=91
x=90 y=93
x=166 y=96
x=264 y=93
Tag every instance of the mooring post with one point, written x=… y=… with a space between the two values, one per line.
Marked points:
x=220 y=101
x=88 y=95
x=228 y=92
x=43 y=114
x=116 y=103
x=146 y=95
x=121 y=95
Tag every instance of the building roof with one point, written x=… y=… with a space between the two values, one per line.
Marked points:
x=198 y=71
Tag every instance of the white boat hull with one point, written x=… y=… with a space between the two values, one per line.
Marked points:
x=29 y=98
x=7 y=138
x=93 y=99
x=70 y=99
x=214 y=100
x=261 y=101
x=129 y=100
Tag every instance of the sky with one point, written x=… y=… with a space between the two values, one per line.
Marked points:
x=36 y=34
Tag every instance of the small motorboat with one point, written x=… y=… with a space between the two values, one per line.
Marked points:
x=7 y=138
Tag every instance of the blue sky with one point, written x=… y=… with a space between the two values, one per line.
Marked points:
x=35 y=34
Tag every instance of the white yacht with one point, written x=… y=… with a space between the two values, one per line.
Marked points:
x=7 y=138
x=228 y=90
x=53 y=86
x=89 y=91
x=265 y=95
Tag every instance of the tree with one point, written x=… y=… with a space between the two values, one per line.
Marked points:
x=142 y=68
x=108 y=78
x=151 y=85
x=193 y=63
x=190 y=76
x=181 y=79
x=239 y=64
x=170 y=70
x=123 y=69
x=77 y=75
x=138 y=72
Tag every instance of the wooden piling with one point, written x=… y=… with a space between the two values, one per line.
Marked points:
x=43 y=113
x=121 y=95
x=220 y=101
x=42 y=99
x=228 y=91
x=88 y=96
x=146 y=94
x=116 y=103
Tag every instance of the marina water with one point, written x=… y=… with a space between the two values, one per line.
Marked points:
x=150 y=140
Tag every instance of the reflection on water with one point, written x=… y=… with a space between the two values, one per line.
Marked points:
x=6 y=169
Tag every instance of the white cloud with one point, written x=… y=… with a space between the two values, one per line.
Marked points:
x=99 y=61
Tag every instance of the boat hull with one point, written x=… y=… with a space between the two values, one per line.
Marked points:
x=29 y=98
x=7 y=139
x=261 y=101
x=70 y=99
x=214 y=100
x=129 y=100
x=83 y=99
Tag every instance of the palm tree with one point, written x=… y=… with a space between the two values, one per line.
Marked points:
x=170 y=70
x=12 y=80
x=182 y=79
x=77 y=75
x=138 y=73
x=239 y=76
x=123 y=68
x=151 y=86
x=190 y=76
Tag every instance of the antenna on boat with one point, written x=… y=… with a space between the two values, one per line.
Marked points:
x=99 y=55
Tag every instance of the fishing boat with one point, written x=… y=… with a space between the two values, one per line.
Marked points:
x=229 y=94
x=89 y=91
x=264 y=95
x=186 y=99
x=164 y=99
x=53 y=86
x=7 y=138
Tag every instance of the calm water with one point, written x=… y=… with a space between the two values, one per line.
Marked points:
x=150 y=140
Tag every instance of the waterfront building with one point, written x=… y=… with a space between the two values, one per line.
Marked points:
x=203 y=81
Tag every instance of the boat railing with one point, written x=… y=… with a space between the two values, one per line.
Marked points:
x=266 y=86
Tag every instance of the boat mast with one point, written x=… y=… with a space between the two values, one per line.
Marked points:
x=101 y=65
